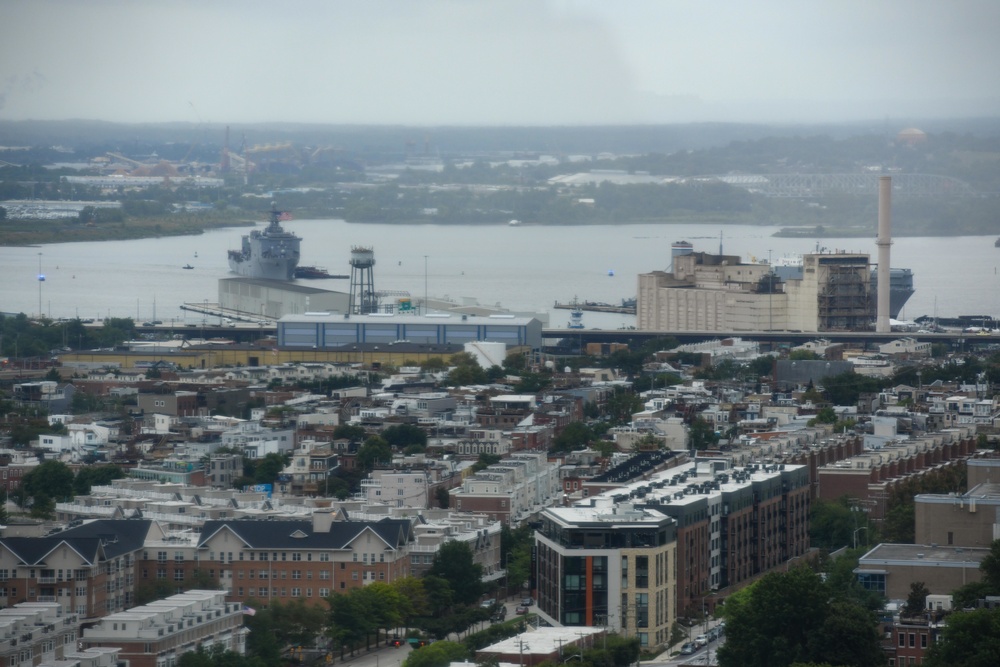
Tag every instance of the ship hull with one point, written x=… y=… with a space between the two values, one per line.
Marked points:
x=268 y=269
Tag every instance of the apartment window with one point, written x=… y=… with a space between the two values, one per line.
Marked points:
x=161 y=573
x=161 y=556
x=309 y=592
x=923 y=640
x=178 y=575
x=263 y=556
x=296 y=556
x=324 y=592
x=240 y=591
x=354 y=575
x=296 y=574
x=262 y=592
x=902 y=640
x=178 y=556
x=309 y=574
x=323 y=557
x=324 y=574
x=913 y=640
x=296 y=592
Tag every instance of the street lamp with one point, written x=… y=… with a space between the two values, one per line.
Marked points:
x=858 y=530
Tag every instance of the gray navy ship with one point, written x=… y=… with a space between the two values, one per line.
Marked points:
x=271 y=253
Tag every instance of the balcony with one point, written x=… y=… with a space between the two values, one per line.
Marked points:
x=46 y=598
x=46 y=580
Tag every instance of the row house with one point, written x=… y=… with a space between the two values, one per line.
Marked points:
x=309 y=469
x=282 y=560
x=158 y=633
x=34 y=632
x=88 y=570
x=512 y=489
x=14 y=465
x=870 y=475
x=438 y=527
x=46 y=395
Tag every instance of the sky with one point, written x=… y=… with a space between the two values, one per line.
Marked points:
x=493 y=62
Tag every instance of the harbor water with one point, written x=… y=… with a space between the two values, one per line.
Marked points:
x=521 y=268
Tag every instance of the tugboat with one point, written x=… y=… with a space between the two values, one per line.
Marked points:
x=272 y=253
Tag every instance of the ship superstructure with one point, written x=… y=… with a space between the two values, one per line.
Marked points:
x=271 y=253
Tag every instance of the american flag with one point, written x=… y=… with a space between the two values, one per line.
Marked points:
x=249 y=611
x=284 y=215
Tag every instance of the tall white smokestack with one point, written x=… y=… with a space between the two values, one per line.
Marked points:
x=883 y=242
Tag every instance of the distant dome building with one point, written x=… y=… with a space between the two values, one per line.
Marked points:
x=911 y=136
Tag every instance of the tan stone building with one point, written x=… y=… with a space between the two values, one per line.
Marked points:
x=706 y=292
x=889 y=569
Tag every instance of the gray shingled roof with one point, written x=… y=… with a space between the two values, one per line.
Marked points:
x=299 y=535
x=113 y=537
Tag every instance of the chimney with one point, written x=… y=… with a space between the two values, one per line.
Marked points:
x=883 y=242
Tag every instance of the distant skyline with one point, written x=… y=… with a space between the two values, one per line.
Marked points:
x=515 y=62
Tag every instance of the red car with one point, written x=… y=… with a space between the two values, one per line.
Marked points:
x=521 y=609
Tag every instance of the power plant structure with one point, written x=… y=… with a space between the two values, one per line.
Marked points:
x=821 y=291
x=884 y=242
x=364 y=300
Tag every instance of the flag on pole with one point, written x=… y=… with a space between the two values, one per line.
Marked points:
x=249 y=611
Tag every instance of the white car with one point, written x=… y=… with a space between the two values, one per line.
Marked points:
x=701 y=640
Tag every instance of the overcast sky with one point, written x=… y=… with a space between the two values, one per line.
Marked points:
x=509 y=62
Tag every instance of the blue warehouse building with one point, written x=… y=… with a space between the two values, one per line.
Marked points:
x=327 y=331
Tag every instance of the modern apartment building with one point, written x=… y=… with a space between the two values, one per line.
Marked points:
x=608 y=564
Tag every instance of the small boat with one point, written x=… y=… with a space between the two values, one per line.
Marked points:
x=187 y=266
x=996 y=244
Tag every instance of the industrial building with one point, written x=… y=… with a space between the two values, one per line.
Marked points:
x=323 y=331
x=705 y=292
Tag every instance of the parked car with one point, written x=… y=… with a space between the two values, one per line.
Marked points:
x=701 y=640
x=488 y=604
x=527 y=602
x=688 y=648
x=521 y=609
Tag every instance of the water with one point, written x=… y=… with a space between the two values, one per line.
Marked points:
x=525 y=268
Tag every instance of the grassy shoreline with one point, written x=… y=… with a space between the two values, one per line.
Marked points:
x=28 y=233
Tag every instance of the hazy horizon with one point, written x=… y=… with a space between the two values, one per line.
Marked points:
x=515 y=63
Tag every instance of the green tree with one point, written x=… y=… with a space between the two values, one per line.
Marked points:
x=785 y=618
x=916 y=601
x=970 y=639
x=454 y=563
x=574 y=436
x=53 y=479
x=269 y=467
x=438 y=654
x=701 y=434
x=89 y=476
x=404 y=435
x=443 y=497
x=374 y=451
